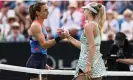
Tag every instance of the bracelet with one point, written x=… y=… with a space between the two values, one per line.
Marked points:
x=57 y=39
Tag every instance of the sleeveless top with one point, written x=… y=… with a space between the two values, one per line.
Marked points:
x=34 y=44
x=98 y=67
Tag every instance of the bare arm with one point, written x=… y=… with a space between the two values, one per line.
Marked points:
x=89 y=32
x=75 y=42
x=66 y=34
x=37 y=33
x=125 y=61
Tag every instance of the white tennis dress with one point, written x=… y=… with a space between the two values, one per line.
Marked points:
x=98 y=67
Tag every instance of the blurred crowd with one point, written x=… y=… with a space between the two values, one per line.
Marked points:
x=15 y=20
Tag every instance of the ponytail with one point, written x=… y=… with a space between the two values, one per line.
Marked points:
x=102 y=16
x=32 y=12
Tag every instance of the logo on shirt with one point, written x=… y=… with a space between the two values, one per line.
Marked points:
x=36 y=49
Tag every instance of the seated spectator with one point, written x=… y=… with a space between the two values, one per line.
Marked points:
x=71 y=21
x=21 y=11
x=4 y=12
x=15 y=35
x=126 y=5
x=113 y=5
x=64 y=6
x=53 y=20
x=26 y=27
x=7 y=16
x=127 y=25
x=111 y=24
x=11 y=18
x=70 y=17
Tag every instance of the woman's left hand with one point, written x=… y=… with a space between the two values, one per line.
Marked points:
x=88 y=70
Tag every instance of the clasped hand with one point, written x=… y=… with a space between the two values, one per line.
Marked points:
x=63 y=33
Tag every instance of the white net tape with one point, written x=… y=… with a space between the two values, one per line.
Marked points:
x=57 y=72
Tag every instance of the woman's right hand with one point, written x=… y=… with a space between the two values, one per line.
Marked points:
x=66 y=33
x=63 y=32
x=60 y=33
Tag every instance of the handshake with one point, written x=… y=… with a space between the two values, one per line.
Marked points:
x=63 y=33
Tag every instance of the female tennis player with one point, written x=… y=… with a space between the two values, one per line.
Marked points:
x=38 y=38
x=90 y=60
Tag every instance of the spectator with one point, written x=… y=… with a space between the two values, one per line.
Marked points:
x=111 y=5
x=70 y=17
x=6 y=17
x=64 y=6
x=26 y=26
x=71 y=21
x=12 y=4
x=111 y=24
x=114 y=5
x=21 y=11
x=127 y=25
x=80 y=9
x=64 y=14
x=3 y=13
x=125 y=5
x=15 y=35
x=11 y=18
x=53 y=20
x=80 y=5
